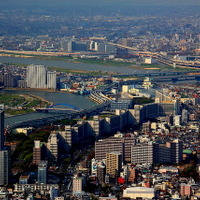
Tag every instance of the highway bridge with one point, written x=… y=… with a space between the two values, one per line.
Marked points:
x=55 y=107
x=77 y=114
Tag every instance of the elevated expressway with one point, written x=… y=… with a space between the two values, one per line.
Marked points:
x=161 y=58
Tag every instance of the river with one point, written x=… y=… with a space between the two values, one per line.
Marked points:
x=69 y=65
x=55 y=97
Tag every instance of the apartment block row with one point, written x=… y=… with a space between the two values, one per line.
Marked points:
x=140 y=153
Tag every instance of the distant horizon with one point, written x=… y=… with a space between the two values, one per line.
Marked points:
x=104 y=7
x=99 y=2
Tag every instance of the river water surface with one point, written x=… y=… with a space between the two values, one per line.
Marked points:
x=55 y=97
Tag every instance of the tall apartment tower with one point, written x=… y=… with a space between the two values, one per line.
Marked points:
x=176 y=151
x=4 y=154
x=101 y=172
x=36 y=76
x=52 y=146
x=113 y=164
x=51 y=80
x=42 y=172
x=4 y=167
x=77 y=185
x=1 y=127
x=65 y=138
x=37 y=152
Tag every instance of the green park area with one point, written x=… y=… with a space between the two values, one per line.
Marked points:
x=18 y=104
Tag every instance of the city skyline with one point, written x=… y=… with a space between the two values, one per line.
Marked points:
x=101 y=99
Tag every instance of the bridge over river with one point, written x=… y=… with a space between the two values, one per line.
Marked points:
x=58 y=116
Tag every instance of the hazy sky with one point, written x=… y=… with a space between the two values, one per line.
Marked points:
x=96 y=2
x=104 y=6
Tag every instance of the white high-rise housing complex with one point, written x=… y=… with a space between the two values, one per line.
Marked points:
x=39 y=77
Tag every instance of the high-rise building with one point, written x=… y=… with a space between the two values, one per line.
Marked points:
x=77 y=185
x=142 y=153
x=36 y=76
x=184 y=116
x=39 y=77
x=4 y=154
x=9 y=80
x=185 y=189
x=131 y=173
x=37 y=152
x=51 y=80
x=52 y=146
x=113 y=164
x=116 y=143
x=42 y=172
x=1 y=127
x=4 y=167
x=94 y=126
x=170 y=152
x=65 y=138
x=176 y=147
x=101 y=172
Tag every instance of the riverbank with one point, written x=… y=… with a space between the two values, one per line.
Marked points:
x=67 y=57
x=20 y=104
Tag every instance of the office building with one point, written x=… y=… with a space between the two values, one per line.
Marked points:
x=42 y=172
x=113 y=164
